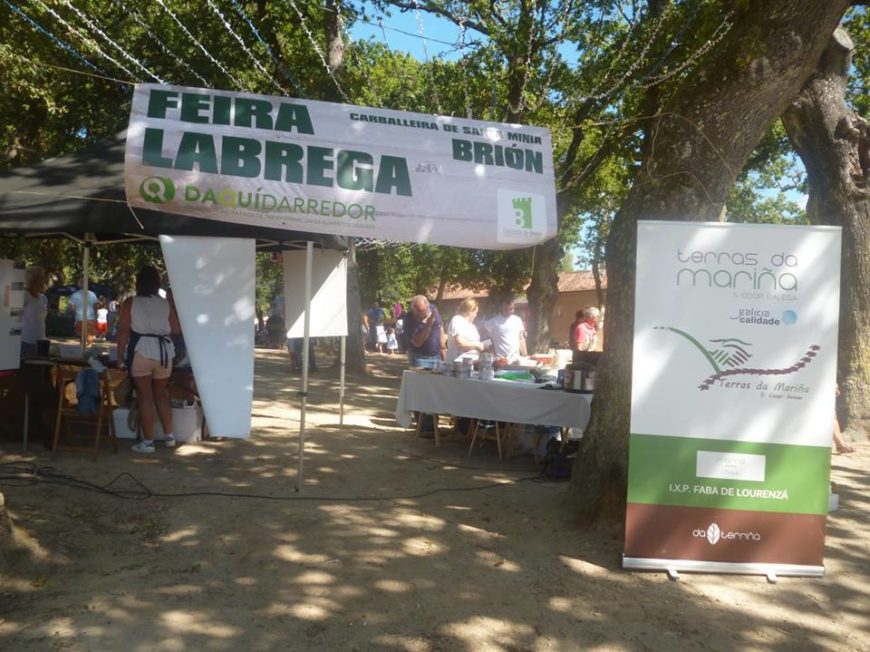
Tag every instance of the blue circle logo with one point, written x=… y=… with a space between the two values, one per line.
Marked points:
x=789 y=317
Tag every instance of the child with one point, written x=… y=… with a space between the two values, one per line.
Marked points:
x=102 y=318
x=392 y=342
x=381 y=339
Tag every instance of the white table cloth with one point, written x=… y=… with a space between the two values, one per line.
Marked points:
x=495 y=400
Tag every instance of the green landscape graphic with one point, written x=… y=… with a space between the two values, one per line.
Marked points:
x=727 y=355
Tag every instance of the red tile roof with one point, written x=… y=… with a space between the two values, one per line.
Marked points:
x=581 y=281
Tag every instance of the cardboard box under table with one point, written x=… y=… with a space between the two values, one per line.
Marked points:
x=186 y=422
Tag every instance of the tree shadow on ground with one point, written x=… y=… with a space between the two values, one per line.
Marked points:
x=393 y=544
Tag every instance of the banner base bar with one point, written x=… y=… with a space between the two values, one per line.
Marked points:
x=693 y=566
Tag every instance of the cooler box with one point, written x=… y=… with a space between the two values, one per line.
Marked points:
x=186 y=422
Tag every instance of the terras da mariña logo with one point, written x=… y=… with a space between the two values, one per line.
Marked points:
x=727 y=355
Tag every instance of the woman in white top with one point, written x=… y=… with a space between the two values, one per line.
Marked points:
x=34 y=311
x=462 y=335
x=144 y=346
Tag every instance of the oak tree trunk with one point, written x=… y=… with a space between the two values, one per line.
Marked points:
x=697 y=145
x=834 y=144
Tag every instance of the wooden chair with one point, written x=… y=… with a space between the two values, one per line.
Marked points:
x=67 y=413
x=495 y=431
x=435 y=417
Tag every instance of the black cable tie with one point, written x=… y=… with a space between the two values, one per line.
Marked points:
x=302 y=394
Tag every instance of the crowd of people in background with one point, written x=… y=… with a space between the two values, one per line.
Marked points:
x=421 y=332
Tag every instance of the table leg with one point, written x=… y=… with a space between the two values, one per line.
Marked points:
x=437 y=434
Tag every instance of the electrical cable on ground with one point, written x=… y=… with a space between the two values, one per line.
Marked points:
x=28 y=474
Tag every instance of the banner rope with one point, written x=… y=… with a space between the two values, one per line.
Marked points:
x=107 y=38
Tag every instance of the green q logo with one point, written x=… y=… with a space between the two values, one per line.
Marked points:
x=157 y=190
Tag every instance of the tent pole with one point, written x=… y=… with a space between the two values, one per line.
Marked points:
x=309 y=255
x=342 y=359
x=86 y=281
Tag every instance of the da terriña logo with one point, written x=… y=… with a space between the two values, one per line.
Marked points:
x=726 y=356
x=714 y=535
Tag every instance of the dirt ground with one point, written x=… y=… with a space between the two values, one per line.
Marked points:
x=392 y=545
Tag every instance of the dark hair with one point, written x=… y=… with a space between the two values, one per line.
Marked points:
x=147 y=282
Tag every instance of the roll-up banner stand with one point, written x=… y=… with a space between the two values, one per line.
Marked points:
x=733 y=384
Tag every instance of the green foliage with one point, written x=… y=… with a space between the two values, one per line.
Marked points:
x=857 y=23
x=594 y=72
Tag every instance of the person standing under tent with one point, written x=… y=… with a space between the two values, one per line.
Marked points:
x=146 y=349
x=424 y=337
x=462 y=335
x=34 y=311
x=113 y=317
x=102 y=318
x=424 y=333
x=374 y=317
x=586 y=332
x=392 y=342
x=507 y=332
x=85 y=310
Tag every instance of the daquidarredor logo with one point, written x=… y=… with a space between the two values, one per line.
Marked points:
x=157 y=190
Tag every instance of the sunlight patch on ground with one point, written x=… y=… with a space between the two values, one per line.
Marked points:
x=191 y=622
x=422 y=547
x=311 y=611
x=479 y=533
x=482 y=633
x=180 y=590
x=61 y=626
x=393 y=586
x=416 y=520
x=189 y=450
x=383 y=532
x=494 y=559
x=14 y=584
x=180 y=535
x=296 y=556
x=405 y=643
x=585 y=568
x=314 y=577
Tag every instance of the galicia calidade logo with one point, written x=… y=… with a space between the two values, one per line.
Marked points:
x=157 y=190
x=789 y=317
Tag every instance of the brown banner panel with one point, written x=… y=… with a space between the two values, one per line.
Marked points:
x=703 y=534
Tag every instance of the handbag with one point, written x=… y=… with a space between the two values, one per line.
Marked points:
x=123 y=392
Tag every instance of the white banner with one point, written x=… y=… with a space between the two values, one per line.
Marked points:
x=724 y=315
x=328 y=293
x=339 y=169
x=213 y=285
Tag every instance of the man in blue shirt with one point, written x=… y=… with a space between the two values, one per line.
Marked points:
x=374 y=316
x=424 y=333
